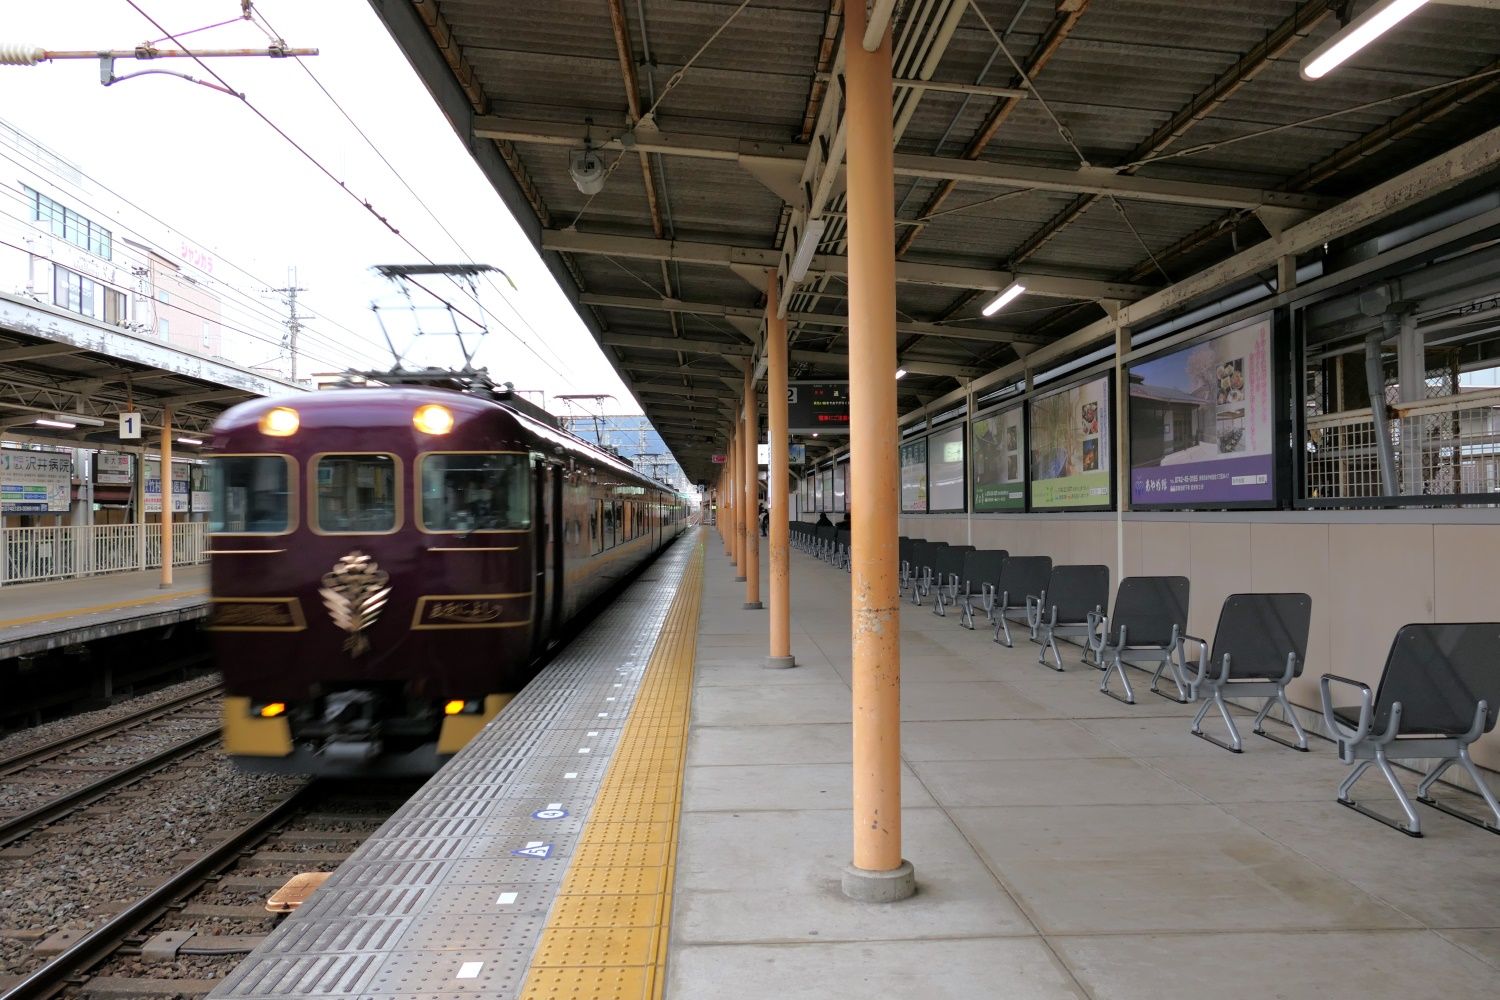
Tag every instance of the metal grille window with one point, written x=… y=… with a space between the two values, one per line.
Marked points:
x=468 y=492
x=356 y=494
x=252 y=494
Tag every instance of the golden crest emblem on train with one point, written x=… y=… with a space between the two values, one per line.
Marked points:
x=355 y=592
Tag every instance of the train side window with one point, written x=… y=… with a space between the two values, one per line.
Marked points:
x=467 y=491
x=252 y=494
x=355 y=494
x=596 y=517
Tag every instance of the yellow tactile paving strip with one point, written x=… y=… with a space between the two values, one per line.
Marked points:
x=606 y=936
x=62 y=614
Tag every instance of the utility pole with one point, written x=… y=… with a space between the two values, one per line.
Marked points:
x=293 y=321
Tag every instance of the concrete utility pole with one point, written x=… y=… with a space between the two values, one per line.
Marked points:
x=293 y=321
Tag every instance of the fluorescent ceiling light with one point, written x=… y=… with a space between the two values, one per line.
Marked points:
x=78 y=418
x=188 y=440
x=806 y=247
x=1004 y=298
x=900 y=373
x=1355 y=35
x=49 y=422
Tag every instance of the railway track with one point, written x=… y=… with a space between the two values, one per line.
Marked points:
x=49 y=751
x=146 y=947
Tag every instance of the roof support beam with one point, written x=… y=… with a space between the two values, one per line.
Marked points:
x=714 y=347
x=38 y=351
x=971 y=172
x=944 y=275
x=838 y=320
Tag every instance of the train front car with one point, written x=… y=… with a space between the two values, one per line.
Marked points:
x=373 y=577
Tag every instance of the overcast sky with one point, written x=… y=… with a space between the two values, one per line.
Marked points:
x=205 y=164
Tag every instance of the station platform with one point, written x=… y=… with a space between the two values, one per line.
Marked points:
x=36 y=617
x=1065 y=845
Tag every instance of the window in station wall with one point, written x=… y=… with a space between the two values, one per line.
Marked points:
x=945 y=454
x=826 y=478
x=998 y=456
x=840 y=489
x=1202 y=423
x=1070 y=447
x=914 y=476
x=818 y=499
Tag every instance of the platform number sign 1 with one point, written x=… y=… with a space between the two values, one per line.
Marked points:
x=130 y=427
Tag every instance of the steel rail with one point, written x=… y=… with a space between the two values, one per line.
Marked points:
x=19 y=826
x=104 y=940
x=151 y=713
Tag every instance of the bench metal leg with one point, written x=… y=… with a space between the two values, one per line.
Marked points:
x=1116 y=666
x=1050 y=642
x=966 y=613
x=1002 y=624
x=1413 y=827
x=1216 y=700
x=1424 y=791
x=1290 y=718
x=939 y=602
x=1168 y=662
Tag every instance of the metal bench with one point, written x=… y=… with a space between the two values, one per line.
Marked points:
x=1146 y=626
x=1021 y=575
x=903 y=554
x=1438 y=694
x=982 y=569
x=923 y=567
x=948 y=570
x=1068 y=607
x=826 y=538
x=1259 y=647
x=841 y=546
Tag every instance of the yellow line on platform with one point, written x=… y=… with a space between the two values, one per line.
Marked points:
x=607 y=934
x=117 y=605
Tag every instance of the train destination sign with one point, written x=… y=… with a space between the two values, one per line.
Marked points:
x=821 y=407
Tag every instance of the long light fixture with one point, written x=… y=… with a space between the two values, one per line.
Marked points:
x=900 y=374
x=188 y=440
x=78 y=418
x=1004 y=298
x=807 y=247
x=49 y=422
x=1380 y=18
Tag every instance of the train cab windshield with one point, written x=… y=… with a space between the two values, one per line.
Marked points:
x=252 y=494
x=463 y=492
x=357 y=494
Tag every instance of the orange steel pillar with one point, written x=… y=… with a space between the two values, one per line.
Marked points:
x=879 y=873
x=752 y=493
x=736 y=493
x=166 y=497
x=777 y=475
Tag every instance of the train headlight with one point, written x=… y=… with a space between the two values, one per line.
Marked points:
x=454 y=707
x=280 y=421
x=272 y=710
x=433 y=418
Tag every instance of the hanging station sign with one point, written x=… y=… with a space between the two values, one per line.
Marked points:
x=1201 y=423
x=821 y=407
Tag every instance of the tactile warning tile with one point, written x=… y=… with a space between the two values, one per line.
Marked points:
x=612 y=914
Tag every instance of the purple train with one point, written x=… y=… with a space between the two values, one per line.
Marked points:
x=389 y=565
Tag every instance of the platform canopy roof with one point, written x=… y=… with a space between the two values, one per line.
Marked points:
x=66 y=368
x=1105 y=153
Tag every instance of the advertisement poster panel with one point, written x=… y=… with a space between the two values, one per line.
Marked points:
x=945 y=449
x=202 y=496
x=180 y=486
x=35 y=482
x=914 y=476
x=999 y=456
x=1070 y=447
x=1201 y=422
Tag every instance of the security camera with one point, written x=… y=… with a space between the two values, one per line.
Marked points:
x=587 y=168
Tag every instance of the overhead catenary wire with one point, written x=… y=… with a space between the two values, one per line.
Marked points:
x=343 y=186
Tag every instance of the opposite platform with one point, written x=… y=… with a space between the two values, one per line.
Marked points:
x=1065 y=845
x=36 y=617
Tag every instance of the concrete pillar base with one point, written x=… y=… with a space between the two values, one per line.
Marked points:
x=780 y=662
x=752 y=606
x=739 y=579
x=865 y=886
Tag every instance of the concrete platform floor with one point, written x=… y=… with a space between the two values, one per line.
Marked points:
x=38 y=616
x=1065 y=845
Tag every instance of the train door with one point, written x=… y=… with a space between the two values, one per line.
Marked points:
x=540 y=544
x=559 y=537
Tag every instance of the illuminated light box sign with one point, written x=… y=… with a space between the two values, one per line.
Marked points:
x=1070 y=447
x=35 y=482
x=945 y=468
x=914 y=476
x=818 y=406
x=1000 y=461
x=1201 y=423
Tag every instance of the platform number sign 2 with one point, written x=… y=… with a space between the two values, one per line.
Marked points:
x=791 y=395
x=130 y=427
